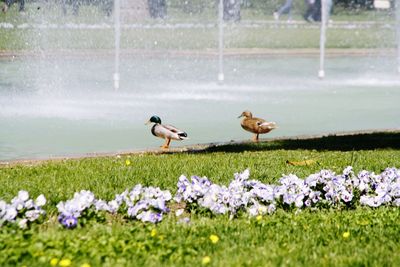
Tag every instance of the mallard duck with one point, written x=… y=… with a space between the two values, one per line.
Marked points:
x=256 y=125
x=167 y=132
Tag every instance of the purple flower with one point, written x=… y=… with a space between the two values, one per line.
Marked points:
x=69 y=221
x=315 y=196
x=348 y=171
x=141 y=205
x=371 y=201
x=148 y=216
x=346 y=196
x=271 y=208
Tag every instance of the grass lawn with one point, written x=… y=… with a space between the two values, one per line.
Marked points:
x=198 y=39
x=238 y=35
x=357 y=237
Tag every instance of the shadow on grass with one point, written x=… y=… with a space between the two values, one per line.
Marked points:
x=334 y=142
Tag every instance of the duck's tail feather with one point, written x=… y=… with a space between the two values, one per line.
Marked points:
x=183 y=136
x=270 y=125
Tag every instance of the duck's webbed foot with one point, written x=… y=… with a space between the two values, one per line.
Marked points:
x=166 y=144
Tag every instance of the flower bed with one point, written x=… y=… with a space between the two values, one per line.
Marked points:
x=324 y=189
x=22 y=210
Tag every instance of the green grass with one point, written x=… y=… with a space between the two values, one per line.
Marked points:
x=236 y=35
x=286 y=238
x=195 y=39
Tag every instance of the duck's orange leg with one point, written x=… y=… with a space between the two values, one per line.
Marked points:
x=255 y=138
x=166 y=145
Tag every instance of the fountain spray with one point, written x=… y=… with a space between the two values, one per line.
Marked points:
x=397 y=3
x=322 y=38
x=117 y=38
x=221 y=41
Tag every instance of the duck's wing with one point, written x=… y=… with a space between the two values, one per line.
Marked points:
x=266 y=125
x=258 y=121
x=258 y=125
x=159 y=131
x=175 y=132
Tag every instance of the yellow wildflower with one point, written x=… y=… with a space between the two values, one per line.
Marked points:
x=85 y=265
x=53 y=262
x=65 y=262
x=214 y=239
x=259 y=218
x=206 y=260
x=127 y=162
x=153 y=232
x=346 y=235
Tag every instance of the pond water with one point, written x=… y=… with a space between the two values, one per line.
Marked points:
x=58 y=106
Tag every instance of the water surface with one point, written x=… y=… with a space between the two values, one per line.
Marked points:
x=67 y=105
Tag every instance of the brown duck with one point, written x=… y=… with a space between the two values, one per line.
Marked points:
x=256 y=125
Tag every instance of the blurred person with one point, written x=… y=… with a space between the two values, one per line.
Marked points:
x=284 y=9
x=313 y=12
x=8 y=3
x=231 y=10
x=105 y=5
x=158 y=8
x=313 y=8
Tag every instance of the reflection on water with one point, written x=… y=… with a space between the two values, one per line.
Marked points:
x=68 y=106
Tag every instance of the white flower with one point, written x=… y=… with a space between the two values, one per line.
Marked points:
x=29 y=204
x=23 y=195
x=219 y=208
x=253 y=210
x=33 y=215
x=371 y=201
x=3 y=206
x=346 y=196
x=113 y=206
x=141 y=205
x=179 y=212
x=101 y=205
x=61 y=207
x=23 y=223
x=257 y=209
x=10 y=213
x=40 y=201
x=148 y=216
x=242 y=176
x=166 y=195
x=271 y=208
x=262 y=209
x=18 y=203
x=299 y=201
x=348 y=171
